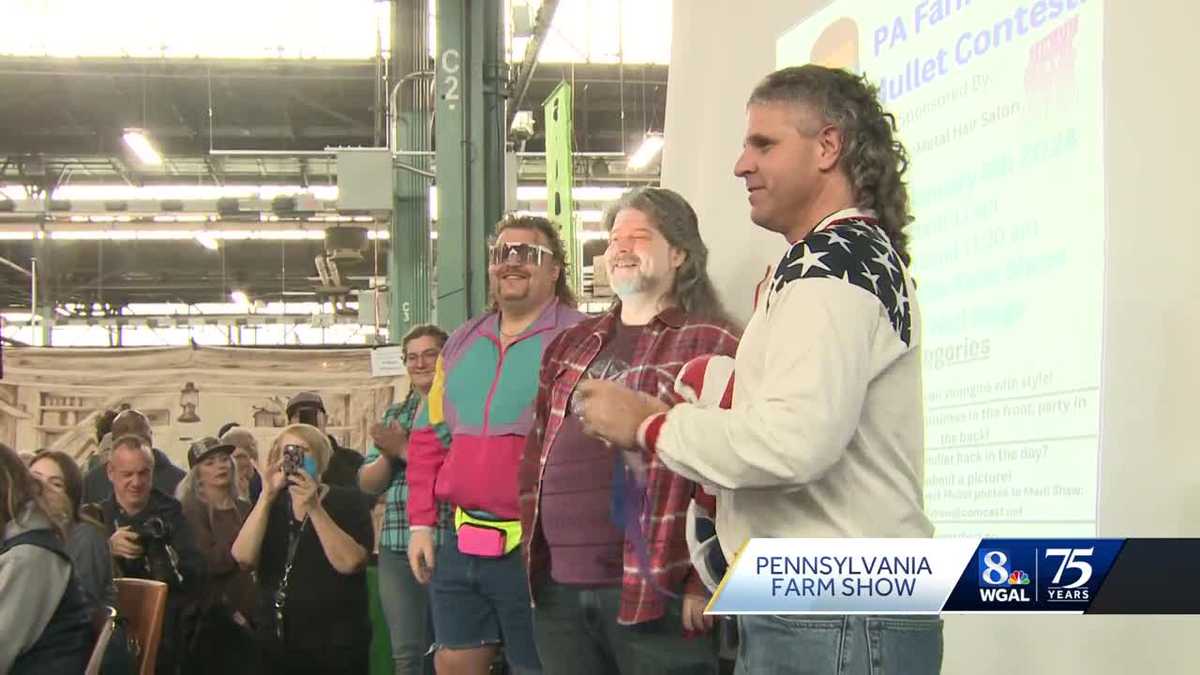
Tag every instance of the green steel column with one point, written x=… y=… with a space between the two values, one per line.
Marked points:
x=410 y=260
x=471 y=77
x=560 y=173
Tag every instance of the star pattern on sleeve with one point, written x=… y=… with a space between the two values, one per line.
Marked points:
x=855 y=251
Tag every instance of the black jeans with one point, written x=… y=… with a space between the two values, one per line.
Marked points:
x=577 y=633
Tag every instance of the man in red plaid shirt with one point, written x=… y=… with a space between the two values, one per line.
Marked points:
x=609 y=570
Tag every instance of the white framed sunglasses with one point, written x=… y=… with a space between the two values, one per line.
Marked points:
x=518 y=254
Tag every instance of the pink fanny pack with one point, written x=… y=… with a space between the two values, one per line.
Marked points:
x=481 y=541
x=486 y=538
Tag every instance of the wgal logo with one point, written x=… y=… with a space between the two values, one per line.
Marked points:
x=1000 y=577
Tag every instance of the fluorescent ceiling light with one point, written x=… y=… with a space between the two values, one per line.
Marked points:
x=184 y=192
x=208 y=242
x=208 y=238
x=590 y=193
x=651 y=146
x=239 y=298
x=581 y=215
x=140 y=145
x=591 y=235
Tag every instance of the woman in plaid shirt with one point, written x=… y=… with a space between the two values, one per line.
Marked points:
x=405 y=601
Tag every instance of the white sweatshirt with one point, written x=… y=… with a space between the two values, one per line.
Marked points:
x=825 y=436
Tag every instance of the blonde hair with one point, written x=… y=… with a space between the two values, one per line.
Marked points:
x=317 y=442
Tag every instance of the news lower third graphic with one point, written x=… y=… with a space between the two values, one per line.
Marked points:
x=962 y=575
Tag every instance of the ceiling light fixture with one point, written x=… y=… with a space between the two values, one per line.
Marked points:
x=651 y=146
x=140 y=145
x=208 y=242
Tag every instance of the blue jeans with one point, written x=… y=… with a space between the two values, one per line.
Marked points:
x=839 y=645
x=406 y=606
x=578 y=634
x=483 y=601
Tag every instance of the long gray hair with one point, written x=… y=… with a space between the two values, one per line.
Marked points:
x=189 y=493
x=676 y=220
x=872 y=158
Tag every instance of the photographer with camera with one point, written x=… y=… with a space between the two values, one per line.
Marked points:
x=97 y=485
x=310 y=553
x=150 y=539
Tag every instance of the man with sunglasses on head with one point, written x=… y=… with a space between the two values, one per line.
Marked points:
x=405 y=601
x=484 y=393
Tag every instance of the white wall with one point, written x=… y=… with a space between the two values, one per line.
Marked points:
x=1150 y=457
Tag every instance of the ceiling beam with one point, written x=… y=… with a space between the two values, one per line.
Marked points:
x=544 y=18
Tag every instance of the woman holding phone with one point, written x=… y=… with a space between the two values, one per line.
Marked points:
x=308 y=542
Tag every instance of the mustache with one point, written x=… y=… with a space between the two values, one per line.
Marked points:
x=626 y=259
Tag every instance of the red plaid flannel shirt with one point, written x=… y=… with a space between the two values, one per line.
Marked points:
x=672 y=339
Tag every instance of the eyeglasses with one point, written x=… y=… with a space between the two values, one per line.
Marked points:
x=518 y=254
x=426 y=356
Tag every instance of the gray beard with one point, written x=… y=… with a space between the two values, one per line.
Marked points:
x=629 y=285
x=629 y=288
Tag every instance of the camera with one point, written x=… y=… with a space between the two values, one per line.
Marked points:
x=152 y=529
x=159 y=560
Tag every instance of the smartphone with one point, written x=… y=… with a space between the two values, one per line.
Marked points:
x=293 y=459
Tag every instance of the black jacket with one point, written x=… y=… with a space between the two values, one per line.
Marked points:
x=65 y=642
x=184 y=593
x=343 y=466
x=167 y=509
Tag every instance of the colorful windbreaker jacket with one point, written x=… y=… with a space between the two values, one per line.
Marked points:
x=485 y=395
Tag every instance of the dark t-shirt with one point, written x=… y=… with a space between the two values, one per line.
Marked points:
x=586 y=546
x=324 y=608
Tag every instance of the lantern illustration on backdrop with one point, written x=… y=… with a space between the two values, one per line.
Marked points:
x=189 y=400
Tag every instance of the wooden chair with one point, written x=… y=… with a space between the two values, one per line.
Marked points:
x=106 y=620
x=144 y=604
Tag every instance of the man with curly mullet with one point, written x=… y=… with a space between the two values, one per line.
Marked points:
x=823 y=436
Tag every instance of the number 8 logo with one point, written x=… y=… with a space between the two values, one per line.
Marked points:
x=995 y=563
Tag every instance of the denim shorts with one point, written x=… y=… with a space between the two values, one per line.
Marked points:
x=483 y=601
x=840 y=645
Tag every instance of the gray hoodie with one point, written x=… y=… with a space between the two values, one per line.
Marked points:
x=32 y=581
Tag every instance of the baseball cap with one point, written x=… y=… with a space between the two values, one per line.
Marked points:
x=203 y=448
x=305 y=399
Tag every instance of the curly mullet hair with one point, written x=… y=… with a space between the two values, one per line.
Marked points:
x=872 y=158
